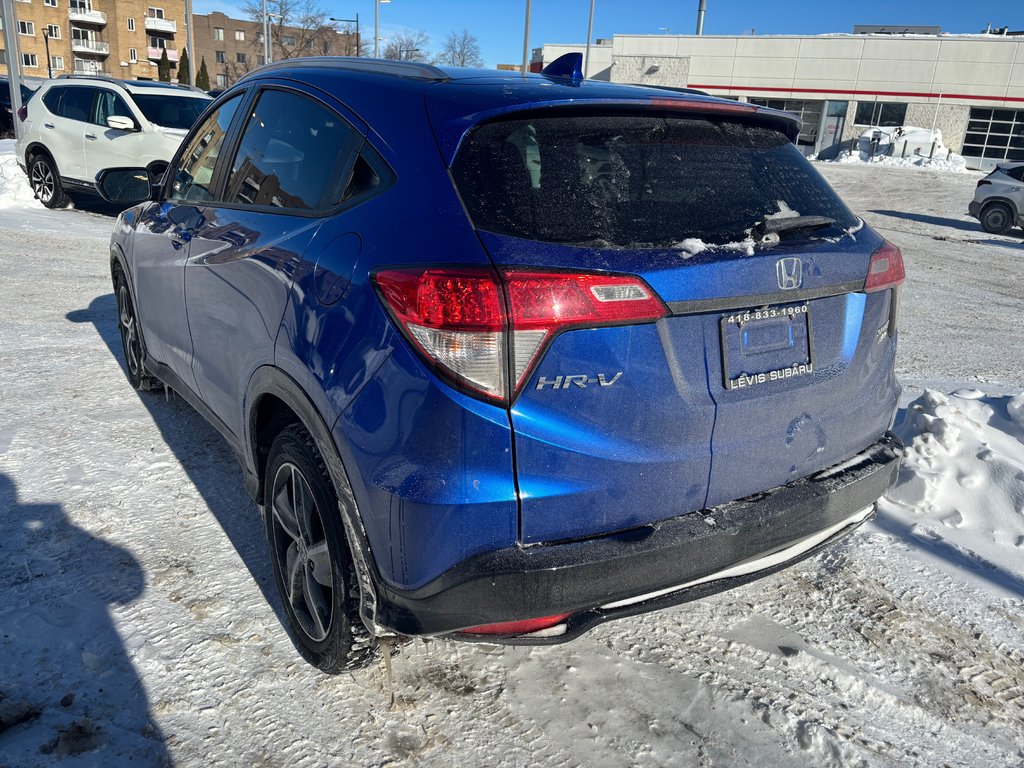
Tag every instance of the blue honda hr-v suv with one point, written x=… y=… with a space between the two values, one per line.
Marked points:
x=507 y=356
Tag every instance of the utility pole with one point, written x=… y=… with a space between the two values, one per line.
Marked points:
x=590 y=34
x=702 y=8
x=349 y=21
x=526 y=38
x=13 y=60
x=46 y=42
x=188 y=43
x=266 y=35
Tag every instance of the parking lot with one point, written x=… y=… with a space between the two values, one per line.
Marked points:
x=139 y=624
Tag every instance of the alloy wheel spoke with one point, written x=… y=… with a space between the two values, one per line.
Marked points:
x=295 y=576
x=320 y=557
x=284 y=515
x=316 y=604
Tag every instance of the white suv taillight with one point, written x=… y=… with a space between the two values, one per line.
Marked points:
x=484 y=331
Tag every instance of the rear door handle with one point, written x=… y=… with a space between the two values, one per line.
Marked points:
x=91 y=136
x=47 y=125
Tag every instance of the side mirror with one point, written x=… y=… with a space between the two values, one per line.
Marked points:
x=120 y=123
x=125 y=186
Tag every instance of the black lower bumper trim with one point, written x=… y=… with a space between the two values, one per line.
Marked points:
x=580 y=577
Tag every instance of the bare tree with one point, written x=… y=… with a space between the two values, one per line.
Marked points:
x=408 y=46
x=461 y=49
x=298 y=28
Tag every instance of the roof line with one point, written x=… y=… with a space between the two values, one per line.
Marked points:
x=408 y=69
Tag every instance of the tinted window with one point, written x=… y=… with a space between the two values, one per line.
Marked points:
x=363 y=181
x=77 y=103
x=636 y=181
x=171 y=111
x=109 y=103
x=1014 y=173
x=288 y=153
x=884 y=114
x=194 y=175
x=52 y=99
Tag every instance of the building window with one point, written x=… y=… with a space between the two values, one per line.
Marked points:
x=131 y=24
x=53 y=31
x=808 y=111
x=288 y=40
x=133 y=55
x=52 y=4
x=240 y=58
x=995 y=134
x=219 y=57
x=29 y=60
x=155 y=13
x=27 y=28
x=261 y=59
x=56 y=62
x=222 y=81
x=884 y=114
x=157 y=42
x=240 y=34
x=218 y=33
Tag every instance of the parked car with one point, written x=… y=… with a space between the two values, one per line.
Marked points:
x=505 y=357
x=76 y=126
x=999 y=199
x=6 y=110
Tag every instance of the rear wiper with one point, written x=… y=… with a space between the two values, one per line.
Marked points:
x=769 y=226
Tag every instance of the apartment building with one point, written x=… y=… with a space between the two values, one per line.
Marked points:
x=120 y=38
x=231 y=47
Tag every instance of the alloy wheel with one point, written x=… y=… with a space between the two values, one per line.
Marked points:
x=42 y=181
x=129 y=331
x=303 y=555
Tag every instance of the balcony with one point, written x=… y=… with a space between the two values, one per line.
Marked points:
x=87 y=16
x=161 y=25
x=155 y=53
x=89 y=71
x=95 y=47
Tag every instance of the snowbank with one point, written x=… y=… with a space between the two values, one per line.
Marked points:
x=14 y=189
x=905 y=146
x=962 y=482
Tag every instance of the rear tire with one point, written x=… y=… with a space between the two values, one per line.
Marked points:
x=996 y=218
x=310 y=557
x=45 y=182
x=131 y=337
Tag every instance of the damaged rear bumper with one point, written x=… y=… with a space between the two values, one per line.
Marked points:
x=648 y=568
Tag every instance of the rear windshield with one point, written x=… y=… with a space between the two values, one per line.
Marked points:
x=637 y=181
x=171 y=111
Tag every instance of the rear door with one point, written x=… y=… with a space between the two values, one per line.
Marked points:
x=64 y=133
x=772 y=363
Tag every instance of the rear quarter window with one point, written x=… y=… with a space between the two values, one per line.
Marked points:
x=636 y=181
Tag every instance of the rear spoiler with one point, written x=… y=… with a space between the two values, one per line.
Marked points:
x=638 y=98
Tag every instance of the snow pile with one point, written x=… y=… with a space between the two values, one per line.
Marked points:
x=962 y=481
x=905 y=146
x=14 y=189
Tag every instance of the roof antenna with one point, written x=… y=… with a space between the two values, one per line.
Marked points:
x=568 y=66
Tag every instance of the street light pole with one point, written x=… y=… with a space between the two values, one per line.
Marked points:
x=349 y=21
x=46 y=42
x=702 y=8
x=590 y=34
x=266 y=35
x=526 y=36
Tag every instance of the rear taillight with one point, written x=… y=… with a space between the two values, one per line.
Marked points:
x=984 y=183
x=885 y=269
x=23 y=113
x=484 y=331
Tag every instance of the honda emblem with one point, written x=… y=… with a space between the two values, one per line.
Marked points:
x=789 y=273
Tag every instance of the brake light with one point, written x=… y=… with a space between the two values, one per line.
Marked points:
x=23 y=112
x=703 y=106
x=983 y=183
x=485 y=331
x=517 y=627
x=885 y=269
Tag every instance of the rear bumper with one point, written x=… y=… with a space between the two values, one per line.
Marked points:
x=651 y=567
x=974 y=209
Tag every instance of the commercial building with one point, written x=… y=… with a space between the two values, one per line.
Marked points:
x=232 y=47
x=969 y=86
x=119 y=38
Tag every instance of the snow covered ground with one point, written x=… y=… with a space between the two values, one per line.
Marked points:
x=139 y=624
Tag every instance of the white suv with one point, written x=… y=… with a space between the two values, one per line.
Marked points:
x=77 y=126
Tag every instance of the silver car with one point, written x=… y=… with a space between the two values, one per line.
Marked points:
x=999 y=199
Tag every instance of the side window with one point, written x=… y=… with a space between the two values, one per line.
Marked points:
x=52 y=99
x=194 y=174
x=77 y=104
x=363 y=181
x=109 y=103
x=1015 y=173
x=288 y=153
